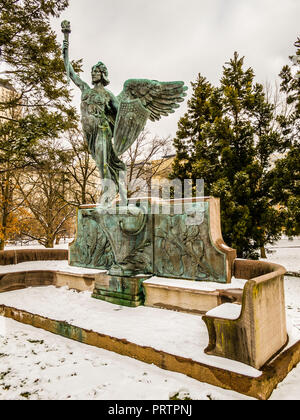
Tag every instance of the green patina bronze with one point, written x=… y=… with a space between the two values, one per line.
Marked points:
x=106 y=117
x=132 y=241
x=125 y=291
x=91 y=248
x=128 y=240
x=183 y=246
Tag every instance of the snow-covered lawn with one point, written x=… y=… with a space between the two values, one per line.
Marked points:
x=64 y=244
x=169 y=331
x=55 y=265
x=286 y=253
x=35 y=364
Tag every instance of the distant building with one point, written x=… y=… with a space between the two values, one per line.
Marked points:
x=7 y=94
x=162 y=168
x=143 y=174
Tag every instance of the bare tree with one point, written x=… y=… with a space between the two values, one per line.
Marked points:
x=148 y=158
x=43 y=187
x=275 y=96
x=145 y=160
x=81 y=170
x=10 y=205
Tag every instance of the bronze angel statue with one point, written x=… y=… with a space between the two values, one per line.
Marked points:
x=111 y=123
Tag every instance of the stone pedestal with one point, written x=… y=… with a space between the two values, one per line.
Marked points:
x=125 y=291
x=169 y=238
x=174 y=238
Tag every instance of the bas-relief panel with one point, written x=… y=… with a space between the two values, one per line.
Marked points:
x=183 y=247
x=135 y=242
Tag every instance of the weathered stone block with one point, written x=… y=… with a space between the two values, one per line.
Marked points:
x=126 y=291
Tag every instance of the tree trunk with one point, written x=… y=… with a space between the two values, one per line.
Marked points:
x=4 y=227
x=263 y=252
x=49 y=243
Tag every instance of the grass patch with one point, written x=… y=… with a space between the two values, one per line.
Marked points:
x=3 y=374
x=25 y=394
x=178 y=397
x=36 y=341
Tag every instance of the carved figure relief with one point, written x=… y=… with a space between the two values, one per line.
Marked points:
x=183 y=249
x=92 y=247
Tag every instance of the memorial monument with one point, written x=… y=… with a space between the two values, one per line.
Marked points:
x=105 y=117
x=136 y=239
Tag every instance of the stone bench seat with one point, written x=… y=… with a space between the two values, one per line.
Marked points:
x=226 y=311
x=255 y=331
x=42 y=267
x=190 y=296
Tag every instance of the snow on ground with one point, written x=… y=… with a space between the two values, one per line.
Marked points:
x=35 y=364
x=286 y=253
x=57 y=265
x=170 y=331
x=64 y=244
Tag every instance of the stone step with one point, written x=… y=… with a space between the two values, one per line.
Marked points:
x=187 y=295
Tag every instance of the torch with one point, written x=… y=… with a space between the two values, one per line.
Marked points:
x=66 y=30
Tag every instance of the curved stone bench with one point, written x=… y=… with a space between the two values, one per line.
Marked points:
x=16 y=256
x=255 y=331
x=23 y=279
x=40 y=277
x=187 y=295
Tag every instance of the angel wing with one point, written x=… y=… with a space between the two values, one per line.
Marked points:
x=160 y=98
x=139 y=100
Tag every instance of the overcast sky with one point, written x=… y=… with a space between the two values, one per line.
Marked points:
x=176 y=39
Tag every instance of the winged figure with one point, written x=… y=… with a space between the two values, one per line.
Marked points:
x=106 y=117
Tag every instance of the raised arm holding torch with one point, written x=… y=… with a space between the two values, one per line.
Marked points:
x=66 y=30
x=105 y=116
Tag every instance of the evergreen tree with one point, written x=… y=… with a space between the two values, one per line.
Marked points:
x=285 y=181
x=33 y=64
x=38 y=103
x=227 y=138
x=285 y=177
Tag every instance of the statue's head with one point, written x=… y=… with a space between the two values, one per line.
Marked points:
x=100 y=74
